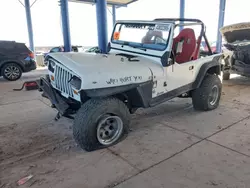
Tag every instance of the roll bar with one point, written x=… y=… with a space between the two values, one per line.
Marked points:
x=195 y=22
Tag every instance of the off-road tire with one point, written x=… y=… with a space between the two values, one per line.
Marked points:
x=226 y=75
x=86 y=121
x=200 y=96
x=11 y=65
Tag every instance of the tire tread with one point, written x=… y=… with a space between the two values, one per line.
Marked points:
x=7 y=64
x=84 y=128
x=200 y=95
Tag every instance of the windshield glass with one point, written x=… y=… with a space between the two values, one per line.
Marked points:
x=142 y=35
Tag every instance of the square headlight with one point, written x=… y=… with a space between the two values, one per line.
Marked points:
x=51 y=66
x=75 y=82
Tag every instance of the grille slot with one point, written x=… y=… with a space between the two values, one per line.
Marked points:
x=62 y=77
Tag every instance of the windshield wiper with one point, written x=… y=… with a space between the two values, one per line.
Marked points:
x=134 y=46
x=130 y=57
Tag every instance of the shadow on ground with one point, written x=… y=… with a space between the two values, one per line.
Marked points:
x=170 y=145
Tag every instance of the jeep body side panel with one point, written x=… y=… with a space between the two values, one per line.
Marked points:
x=170 y=95
x=212 y=67
x=140 y=95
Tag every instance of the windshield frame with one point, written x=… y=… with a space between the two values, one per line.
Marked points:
x=140 y=45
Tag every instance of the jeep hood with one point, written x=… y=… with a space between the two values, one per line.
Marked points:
x=236 y=33
x=101 y=70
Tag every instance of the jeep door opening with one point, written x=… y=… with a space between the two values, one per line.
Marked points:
x=148 y=63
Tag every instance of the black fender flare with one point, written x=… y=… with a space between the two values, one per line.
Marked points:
x=139 y=94
x=106 y=92
x=212 y=67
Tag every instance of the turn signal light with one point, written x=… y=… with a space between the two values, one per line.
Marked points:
x=52 y=78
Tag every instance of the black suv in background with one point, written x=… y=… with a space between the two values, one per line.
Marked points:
x=15 y=58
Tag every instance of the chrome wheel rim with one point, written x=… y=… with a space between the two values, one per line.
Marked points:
x=12 y=72
x=109 y=129
x=214 y=95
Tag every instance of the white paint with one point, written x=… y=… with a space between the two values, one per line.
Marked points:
x=97 y=71
x=104 y=71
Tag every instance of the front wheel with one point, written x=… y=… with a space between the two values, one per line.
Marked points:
x=101 y=123
x=207 y=96
x=11 y=71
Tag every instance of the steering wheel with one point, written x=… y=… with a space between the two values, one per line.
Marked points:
x=163 y=41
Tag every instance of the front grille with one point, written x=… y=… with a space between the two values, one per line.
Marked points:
x=62 y=77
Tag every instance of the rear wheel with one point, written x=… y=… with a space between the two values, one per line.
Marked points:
x=207 y=96
x=101 y=123
x=11 y=71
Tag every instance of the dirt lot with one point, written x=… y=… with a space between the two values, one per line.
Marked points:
x=170 y=145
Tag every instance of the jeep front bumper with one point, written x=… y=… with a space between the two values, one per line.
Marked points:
x=52 y=94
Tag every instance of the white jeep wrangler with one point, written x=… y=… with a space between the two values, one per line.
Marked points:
x=148 y=63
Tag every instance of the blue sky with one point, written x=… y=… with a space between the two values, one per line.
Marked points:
x=47 y=25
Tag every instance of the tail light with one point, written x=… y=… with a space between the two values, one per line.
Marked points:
x=31 y=55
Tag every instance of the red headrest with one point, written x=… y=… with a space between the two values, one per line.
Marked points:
x=187 y=35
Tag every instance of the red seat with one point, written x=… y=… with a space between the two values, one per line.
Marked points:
x=187 y=36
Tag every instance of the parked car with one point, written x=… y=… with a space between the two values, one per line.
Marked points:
x=39 y=53
x=15 y=58
x=237 y=55
x=94 y=49
x=212 y=46
x=61 y=49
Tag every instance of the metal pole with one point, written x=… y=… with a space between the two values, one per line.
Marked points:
x=220 y=24
x=114 y=14
x=29 y=24
x=182 y=11
x=102 y=29
x=65 y=25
